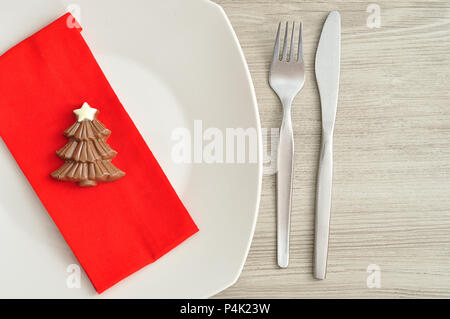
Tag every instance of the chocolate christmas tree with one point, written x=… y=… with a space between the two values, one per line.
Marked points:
x=87 y=156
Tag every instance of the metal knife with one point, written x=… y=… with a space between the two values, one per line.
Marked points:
x=327 y=75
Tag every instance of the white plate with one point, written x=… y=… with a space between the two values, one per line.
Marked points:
x=170 y=62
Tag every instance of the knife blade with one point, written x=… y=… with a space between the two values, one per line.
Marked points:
x=327 y=68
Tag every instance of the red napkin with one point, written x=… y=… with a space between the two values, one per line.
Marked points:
x=114 y=229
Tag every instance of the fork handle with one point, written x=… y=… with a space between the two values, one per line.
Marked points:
x=284 y=187
x=323 y=207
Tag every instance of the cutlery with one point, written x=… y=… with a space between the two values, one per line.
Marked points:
x=327 y=74
x=286 y=77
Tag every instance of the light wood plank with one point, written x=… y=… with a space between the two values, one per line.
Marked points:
x=391 y=196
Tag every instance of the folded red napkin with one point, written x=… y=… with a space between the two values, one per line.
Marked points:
x=114 y=229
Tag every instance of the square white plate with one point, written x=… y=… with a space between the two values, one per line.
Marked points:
x=170 y=62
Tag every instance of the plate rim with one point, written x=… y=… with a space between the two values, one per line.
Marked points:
x=244 y=64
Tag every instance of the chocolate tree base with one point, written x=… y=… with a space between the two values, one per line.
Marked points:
x=87 y=183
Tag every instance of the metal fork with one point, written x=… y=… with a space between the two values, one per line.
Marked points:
x=287 y=76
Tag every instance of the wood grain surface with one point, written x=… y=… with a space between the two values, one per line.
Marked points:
x=391 y=194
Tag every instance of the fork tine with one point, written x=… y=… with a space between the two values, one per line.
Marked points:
x=276 y=49
x=291 y=52
x=300 y=44
x=285 y=42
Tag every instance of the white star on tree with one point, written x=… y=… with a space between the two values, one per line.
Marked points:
x=85 y=113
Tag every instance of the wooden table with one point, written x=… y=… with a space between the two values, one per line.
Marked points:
x=391 y=196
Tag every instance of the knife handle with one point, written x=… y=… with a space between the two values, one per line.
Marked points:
x=323 y=206
x=284 y=188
